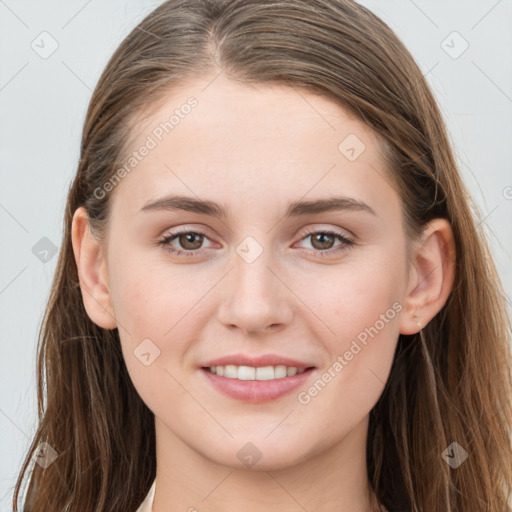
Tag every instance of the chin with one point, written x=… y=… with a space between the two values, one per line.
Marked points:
x=259 y=454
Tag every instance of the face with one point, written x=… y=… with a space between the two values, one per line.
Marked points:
x=267 y=283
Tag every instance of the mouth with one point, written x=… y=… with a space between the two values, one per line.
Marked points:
x=256 y=384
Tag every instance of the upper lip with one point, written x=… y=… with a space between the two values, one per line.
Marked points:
x=257 y=361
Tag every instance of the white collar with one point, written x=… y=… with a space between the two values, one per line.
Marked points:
x=147 y=504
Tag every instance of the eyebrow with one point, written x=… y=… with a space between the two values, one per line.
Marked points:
x=295 y=209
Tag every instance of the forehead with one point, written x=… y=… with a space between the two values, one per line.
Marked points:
x=251 y=144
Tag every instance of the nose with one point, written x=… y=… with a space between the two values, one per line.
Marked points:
x=255 y=297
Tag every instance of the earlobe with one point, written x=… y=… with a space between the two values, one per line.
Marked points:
x=92 y=273
x=432 y=276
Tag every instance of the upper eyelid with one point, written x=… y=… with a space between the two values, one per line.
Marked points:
x=305 y=231
x=347 y=234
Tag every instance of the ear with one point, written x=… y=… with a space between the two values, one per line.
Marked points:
x=431 y=276
x=92 y=272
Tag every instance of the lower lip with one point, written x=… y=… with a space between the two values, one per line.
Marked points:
x=256 y=391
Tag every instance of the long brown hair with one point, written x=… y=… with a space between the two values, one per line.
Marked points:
x=452 y=385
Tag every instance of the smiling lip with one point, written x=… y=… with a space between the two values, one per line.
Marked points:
x=256 y=391
x=257 y=361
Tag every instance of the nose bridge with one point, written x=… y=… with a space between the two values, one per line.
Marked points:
x=252 y=278
x=256 y=298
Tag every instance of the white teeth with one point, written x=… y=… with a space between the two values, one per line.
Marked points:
x=232 y=371
x=246 y=373
x=280 y=371
x=265 y=373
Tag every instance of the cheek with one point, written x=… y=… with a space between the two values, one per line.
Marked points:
x=357 y=293
x=149 y=298
x=365 y=300
x=153 y=341
x=158 y=310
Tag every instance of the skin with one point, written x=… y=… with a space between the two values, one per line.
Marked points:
x=255 y=149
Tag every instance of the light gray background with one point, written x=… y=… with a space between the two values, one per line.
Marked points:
x=43 y=103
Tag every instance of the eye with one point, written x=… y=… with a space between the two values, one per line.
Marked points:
x=189 y=240
x=322 y=241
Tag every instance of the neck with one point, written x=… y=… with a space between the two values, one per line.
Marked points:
x=332 y=479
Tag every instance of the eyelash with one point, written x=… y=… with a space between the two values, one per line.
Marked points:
x=347 y=242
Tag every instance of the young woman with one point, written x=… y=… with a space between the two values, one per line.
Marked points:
x=271 y=292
